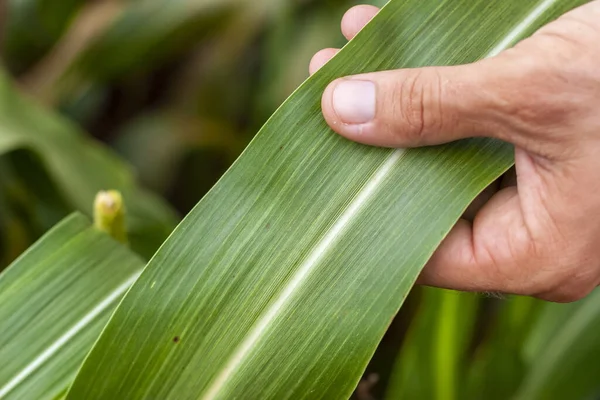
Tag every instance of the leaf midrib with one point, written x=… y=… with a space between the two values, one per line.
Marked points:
x=329 y=237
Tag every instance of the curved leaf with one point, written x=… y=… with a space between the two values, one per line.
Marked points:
x=433 y=358
x=498 y=366
x=32 y=27
x=563 y=351
x=130 y=39
x=283 y=279
x=54 y=301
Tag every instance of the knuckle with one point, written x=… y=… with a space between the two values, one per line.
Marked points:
x=534 y=104
x=552 y=77
x=549 y=89
x=418 y=105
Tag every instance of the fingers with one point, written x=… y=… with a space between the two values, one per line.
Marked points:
x=415 y=107
x=499 y=252
x=353 y=21
x=356 y=18
x=320 y=59
x=481 y=201
x=484 y=256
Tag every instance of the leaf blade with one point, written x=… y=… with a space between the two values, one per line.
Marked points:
x=54 y=301
x=432 y=361
x=297 y=275
x=562 y=352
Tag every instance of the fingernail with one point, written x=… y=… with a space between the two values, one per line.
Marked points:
x=354 y=101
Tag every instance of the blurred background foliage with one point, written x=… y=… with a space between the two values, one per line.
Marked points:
x=177 y=88
x=157 y=98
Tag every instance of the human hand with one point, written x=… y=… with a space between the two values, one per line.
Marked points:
x=541 y=237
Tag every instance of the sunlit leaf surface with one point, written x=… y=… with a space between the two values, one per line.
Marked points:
x=54 y=301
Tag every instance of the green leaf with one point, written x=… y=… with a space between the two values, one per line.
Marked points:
x=136 y=37
x=499 y=365
x=32 y=27
x=14 y=233
x=80 y=167
x=54 y=301
x=170 y=138
x=433 y=358
x=562 y=352
x=283 y=279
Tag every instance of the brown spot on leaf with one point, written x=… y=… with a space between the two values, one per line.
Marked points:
x=176 y=339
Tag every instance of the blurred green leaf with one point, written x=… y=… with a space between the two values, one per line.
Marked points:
x=137 y=36
x=499 y=365
x=283 y=279
x=127 y=40
x=33 y=27
x=14 y=236
x=80 y=167
x=167 y=139
x=37 y=196
x=220 y=81
x=563 y=352
x=293 y=40
x=22 y=218
x=432 y=363
x=54 y=301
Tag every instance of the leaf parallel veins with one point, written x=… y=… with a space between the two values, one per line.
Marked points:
x=54 y=300
x=245 y=303
x=520 y=29
x=68 y=335
x=344 y=220
x=313 y=259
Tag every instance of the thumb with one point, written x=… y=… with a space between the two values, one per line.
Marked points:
x=415 y=107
